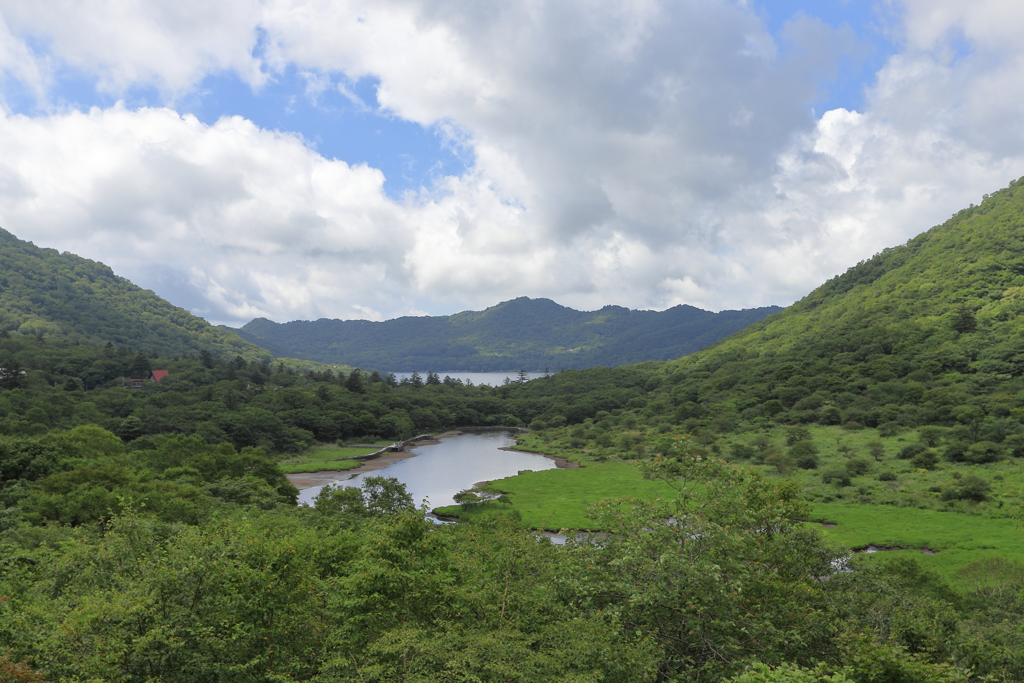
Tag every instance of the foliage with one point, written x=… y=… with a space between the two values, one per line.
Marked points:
x=50 y=295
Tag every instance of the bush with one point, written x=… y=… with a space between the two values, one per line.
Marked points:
x=983 y=451
x=805 y=455
x=829 y=415
x=796 y=434
x=887 y=476
x=971 y=487
x=889 y=429
x=910 y=450
x=858 y=466
x=780 y=461
x=956 y=451
x=930 y=436
x=741 y=452
x=837 y=477
x=926 y=460
x=877 y=450
x=807 y=462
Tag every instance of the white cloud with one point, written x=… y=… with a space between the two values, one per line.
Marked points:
x=167 y=45
x=640 y=153
x=254 y=221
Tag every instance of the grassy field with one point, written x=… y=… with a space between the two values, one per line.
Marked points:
x=891 y=503
x=558 y=499
x=957 y=539
x=322 y=460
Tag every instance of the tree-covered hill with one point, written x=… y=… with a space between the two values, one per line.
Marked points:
x=523 y=333
x=48 y=294
x=928 y=333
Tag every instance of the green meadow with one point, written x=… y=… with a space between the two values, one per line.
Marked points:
x=957 y=539
x=559 y=499
x=885 y=500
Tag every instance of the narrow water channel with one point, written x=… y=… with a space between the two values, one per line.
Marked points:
x=441 y=470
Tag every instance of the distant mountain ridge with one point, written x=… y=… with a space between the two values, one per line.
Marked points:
x=49 y=294
x=524 y=333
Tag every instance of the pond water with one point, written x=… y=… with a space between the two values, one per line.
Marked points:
x=440 y=471
x=494 y=379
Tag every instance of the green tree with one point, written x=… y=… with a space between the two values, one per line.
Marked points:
x=963 y=320
x=695 y=573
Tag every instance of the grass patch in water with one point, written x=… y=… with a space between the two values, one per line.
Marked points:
x=322 y=460
x=959 y=539
x=558 y=499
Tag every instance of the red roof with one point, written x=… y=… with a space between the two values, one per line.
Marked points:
x=158 y=375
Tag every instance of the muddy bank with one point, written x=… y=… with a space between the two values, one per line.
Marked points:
x=560 y=462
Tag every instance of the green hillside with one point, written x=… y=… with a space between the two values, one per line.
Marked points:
x=524 y=333
x=926 y=333
x=53 y=295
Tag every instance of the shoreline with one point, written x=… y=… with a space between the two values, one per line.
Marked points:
x=560 y=462
x=308 y=480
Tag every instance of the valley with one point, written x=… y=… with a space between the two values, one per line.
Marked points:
x=148 y=528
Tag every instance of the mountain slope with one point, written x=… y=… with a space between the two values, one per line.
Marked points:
x=930 y=332
x=52 y=295
x=522 y=333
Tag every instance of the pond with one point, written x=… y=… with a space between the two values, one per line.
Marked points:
x=441 y=470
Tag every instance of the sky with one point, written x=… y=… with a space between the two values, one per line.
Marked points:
x=302 y=159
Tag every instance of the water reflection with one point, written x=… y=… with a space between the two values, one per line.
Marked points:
x=440 y=471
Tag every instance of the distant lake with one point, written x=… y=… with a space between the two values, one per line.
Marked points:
x=494 y=379
x=441 y=470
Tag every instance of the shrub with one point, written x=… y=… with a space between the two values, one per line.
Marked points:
x=858 y=466
x=926 y=460
x=741 y=452
x=837 y=477
x=797 y=434
x=807 y=462
x=802 y=448
x=627 y=441
x=877 y=450
x=805 y=455
x=889 y=429
x=780 y=461
x=930 y=436
x=971 y=487
x=887 y=476
x=983 y=451
x=910 y=450
x=956 y=451
x=829 y=415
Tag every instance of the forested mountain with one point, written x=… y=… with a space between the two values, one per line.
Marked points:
x=524 y=333
x=53 y=295
x=930 y=332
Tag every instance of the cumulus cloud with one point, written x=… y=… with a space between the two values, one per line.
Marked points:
x=252 y=222
x=640 y=153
